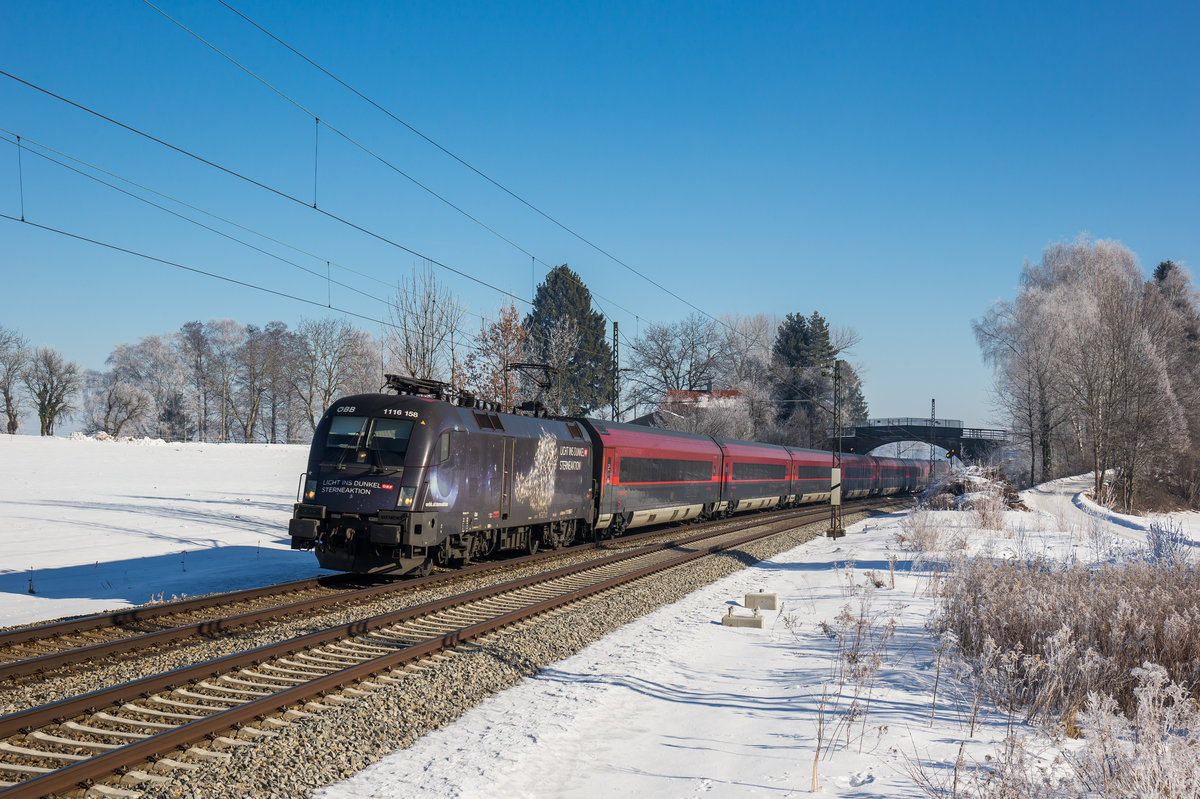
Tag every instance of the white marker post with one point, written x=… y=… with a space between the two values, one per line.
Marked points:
x=836 y=530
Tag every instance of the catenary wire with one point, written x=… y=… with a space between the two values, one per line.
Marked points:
x=358 y=144
x=478 y=172
x=278 y=192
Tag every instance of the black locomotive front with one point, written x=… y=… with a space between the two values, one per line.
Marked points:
x=397 y=483
x=359 y=503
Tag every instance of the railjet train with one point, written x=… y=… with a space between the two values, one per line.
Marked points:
x=399 y=482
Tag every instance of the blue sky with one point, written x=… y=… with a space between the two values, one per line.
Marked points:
x=889 y=164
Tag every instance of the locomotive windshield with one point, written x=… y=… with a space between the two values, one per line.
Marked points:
x=381 y=443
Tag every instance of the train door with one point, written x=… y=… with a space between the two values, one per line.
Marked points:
x=506 y=466
x=606 y=492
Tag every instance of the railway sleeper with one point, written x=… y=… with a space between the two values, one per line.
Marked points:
x=200 y=753
x=279 y=678
x=39 y=754
x=230 y=700
x=150 y=725
x=251 y=733
x=71 y=743
x=136 y=777
x=150 y=711
x=324 y=656
x=239 y=691
x=103 y=791
x=75 y=726
x=20 y=768
x=271 y=687
x=225 y=742
x=162 y=700
x=300 y=667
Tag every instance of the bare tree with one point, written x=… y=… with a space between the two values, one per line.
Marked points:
x=328 y=354
x=225 y=337
x=54 y=384
x=425 y=317
x=109 y=404
x=278 y=350
x=501 y=343
x=249 y=381
x=672 y=357
x=195 y=351
x=14 y=357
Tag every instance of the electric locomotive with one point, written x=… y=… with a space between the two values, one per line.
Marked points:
x=396 y=483
x=399 y=482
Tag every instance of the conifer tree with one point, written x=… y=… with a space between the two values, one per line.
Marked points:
x=563 y=302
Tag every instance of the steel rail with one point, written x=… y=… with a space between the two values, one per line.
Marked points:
x=226 y=624
x=70 y=777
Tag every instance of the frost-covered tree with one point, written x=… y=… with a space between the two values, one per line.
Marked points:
x=14 y=357
x=153 y=366
x=53 y=384
x=1085 y=347
x=111 y=406
x=1017 y=339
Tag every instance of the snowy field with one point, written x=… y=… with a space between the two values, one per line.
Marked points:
x=674 y=704
x=101 y=525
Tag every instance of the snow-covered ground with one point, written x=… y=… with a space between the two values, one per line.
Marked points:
x=100 y=525
x=674 y=704
x=677 y=705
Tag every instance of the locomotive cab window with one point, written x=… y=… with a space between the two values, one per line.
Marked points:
x=345 y=433
x=388 y=442
x=381 y=443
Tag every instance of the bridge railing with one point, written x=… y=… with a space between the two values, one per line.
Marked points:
x=907 y=421
x=985 y=434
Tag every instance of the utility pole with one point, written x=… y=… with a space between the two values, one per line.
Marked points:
x=836 y=527
x=616 y=367
x=932 y=432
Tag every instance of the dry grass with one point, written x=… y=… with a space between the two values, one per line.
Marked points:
x=919 y=532
x=1077 y=630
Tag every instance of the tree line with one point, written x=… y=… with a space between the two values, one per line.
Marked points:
x=225 y=381
x=1096 y=368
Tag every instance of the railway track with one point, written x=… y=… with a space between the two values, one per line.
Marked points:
x=143 y=728
x=102 y=638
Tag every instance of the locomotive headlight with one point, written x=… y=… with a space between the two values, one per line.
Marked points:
x=310 y=489
x=405 y=500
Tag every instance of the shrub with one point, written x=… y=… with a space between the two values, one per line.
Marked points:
x=919 y=531
x=1167 y=542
